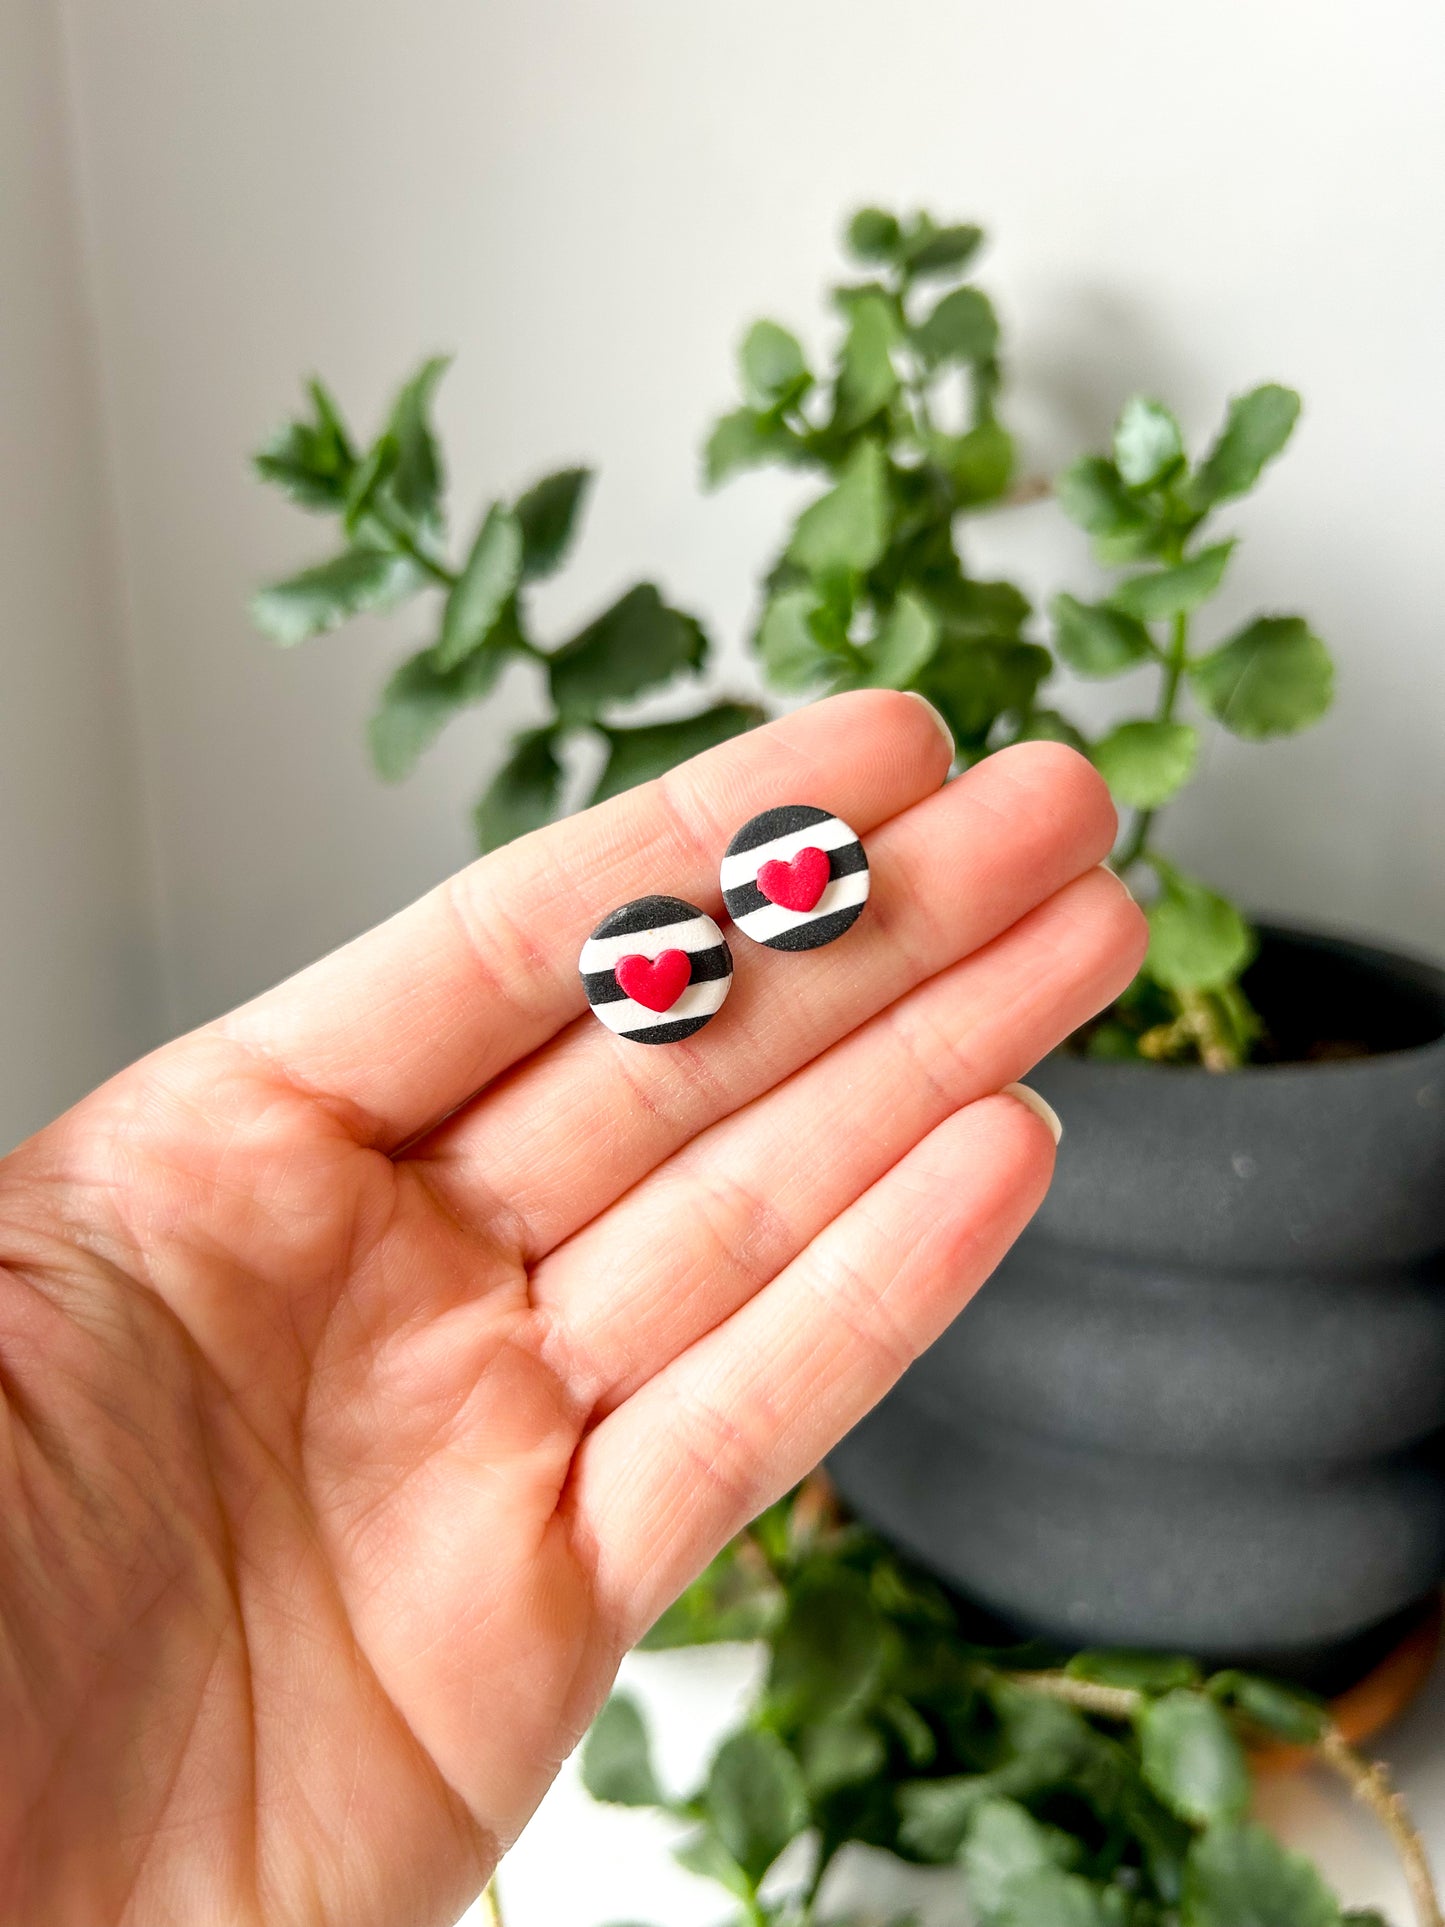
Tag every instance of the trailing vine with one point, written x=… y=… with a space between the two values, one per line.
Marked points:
x=1109 y=1790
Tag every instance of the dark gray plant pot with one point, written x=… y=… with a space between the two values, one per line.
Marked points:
x=1201 y=1407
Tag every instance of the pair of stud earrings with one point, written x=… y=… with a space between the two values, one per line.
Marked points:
x=657 y=969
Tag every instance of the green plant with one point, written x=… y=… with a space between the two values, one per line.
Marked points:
x=871 y=589
x=1108 y=1792
x=872 y=585
x=390 y=501
x=1146 y=503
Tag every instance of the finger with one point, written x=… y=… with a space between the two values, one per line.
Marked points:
x=740 y=1416
x=410 y=1020
x=695 y=1240
x=591 y=1114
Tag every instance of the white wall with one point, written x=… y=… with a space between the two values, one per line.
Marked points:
x=587 y=201
x=587 y=198
x=77 y=962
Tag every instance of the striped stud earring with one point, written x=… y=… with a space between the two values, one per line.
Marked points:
x=795 y=878
x=656 y=970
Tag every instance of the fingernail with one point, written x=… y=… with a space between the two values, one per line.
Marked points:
x=1031 y=1101
x=939 y=724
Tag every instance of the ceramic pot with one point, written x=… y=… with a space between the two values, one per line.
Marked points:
x=1201 y=1406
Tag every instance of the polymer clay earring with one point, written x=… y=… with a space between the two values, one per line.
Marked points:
x=656 y=970
x=795 y=878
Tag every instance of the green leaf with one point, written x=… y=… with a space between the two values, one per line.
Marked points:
x=637 y=644
x=840 y=1753
x=848 y=294
x=1286 y=1711
x=523 y=794
x=1197 y=940
x=547 y=516
x=1273 y=678
x=903 y=645
x=734 y=1598
x=1191 y=1758
x=928 y=250
x=746 y=439
x=872 y=235
x=416 y=480
x=935 y=1815
x=963 y=327
x=1004 y=1841
x=358 y=580
x=417 y=702
x=1164 y=1840
x=867 y=379
x=1363 y=1917
x=828 y=1653
x=1045 y=1746
x=755 y=1799
x=846 y=531
x=1113 y=1043
x=1048 y=726
x=1255 y=430
x=1049 y=1898
x=1140 y=1672
x=792 y=656
x=1148 y=446
x=974 y=683
x=1146 y=763
x=1174 y=591
x=913 y=1730
x=485 y=586
x=772 y=364
x=978 y=611
x=1098 y=640
x=311 y=461
x=1050 y=1742
x=366 y=482
x=1239 y=1876
x=638 y=755
x=980 y=463
x=616 y=1757
x=1092 y=494
x=704 y=1854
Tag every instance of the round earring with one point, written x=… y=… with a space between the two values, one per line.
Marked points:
x=795 y=878
x=656 y=970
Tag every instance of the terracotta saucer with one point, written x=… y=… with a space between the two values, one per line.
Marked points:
x=1375 y=1701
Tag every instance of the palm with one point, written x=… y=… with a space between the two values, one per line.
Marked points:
x=348 y=1450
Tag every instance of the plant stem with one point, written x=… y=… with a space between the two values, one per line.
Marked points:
x=810 y=1898
x=1371 y=1786
x=1173 y=668
x=1202 y=1024
x=1367 y=1780
x=409 y=546
x=1108 y=1702
x=443 y=576
x=1027 y=490
x=492 y=1904
x=1174 y=661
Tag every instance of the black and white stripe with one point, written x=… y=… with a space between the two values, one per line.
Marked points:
x=777 y=836
x=647 y=927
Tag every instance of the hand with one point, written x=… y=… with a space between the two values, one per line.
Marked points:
x=378 y=1362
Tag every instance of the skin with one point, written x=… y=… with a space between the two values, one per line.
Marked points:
x=377 y=1362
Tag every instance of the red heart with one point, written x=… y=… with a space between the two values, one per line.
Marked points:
x=796 y=885
x=655 y=982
